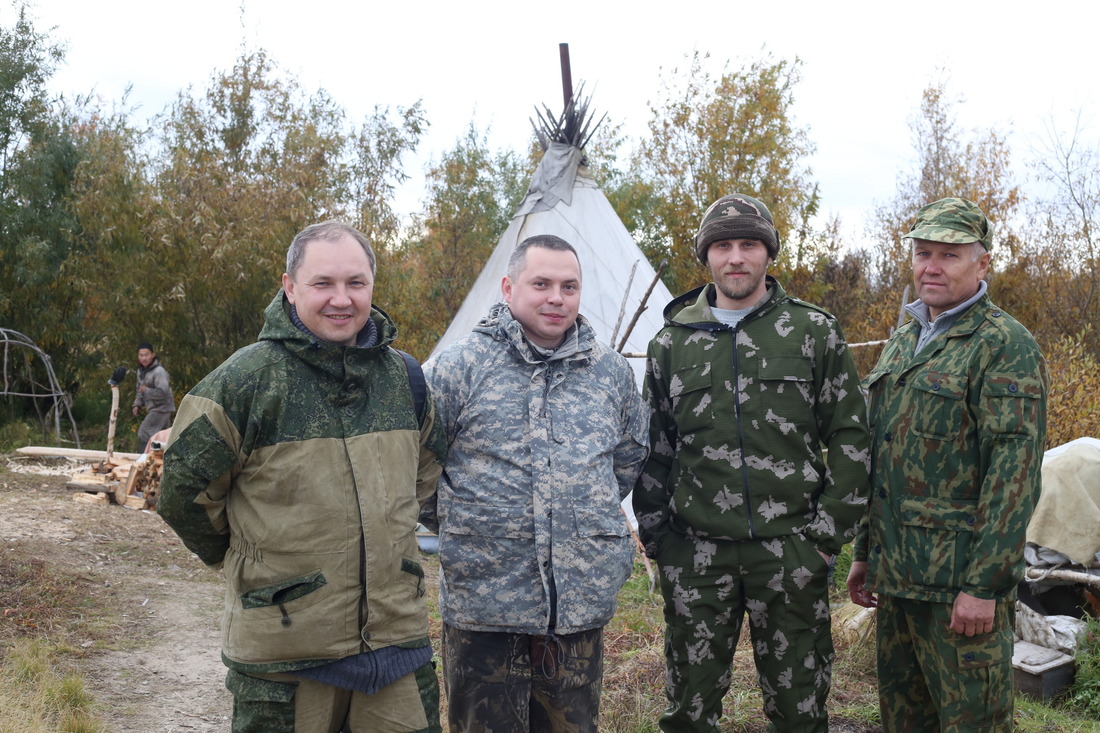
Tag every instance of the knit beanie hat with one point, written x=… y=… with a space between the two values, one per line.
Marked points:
x=736 y=216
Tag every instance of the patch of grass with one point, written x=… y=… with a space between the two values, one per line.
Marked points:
x=37 y=600
x=38 y=698
x=1084 y=695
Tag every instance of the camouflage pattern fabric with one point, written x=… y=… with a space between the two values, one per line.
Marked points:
x=739 y=420
x=299 y=467
x=709 y=586
x=932 y=679
x=958 y=444
x=958 y=435
x=283 y=703
x=518 y=683
x=540 y=453
x=952 y=221
x=737 y=496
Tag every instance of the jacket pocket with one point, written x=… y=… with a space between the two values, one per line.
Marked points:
x=1012 y=404
x=941 y=410
x=786 y=387
x=692 y=398
x=284 y=591
x=935 y=540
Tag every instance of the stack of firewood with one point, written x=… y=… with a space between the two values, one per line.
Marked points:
x=133 y=484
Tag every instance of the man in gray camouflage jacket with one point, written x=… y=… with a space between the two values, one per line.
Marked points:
x=749 y=390
x=546 y=434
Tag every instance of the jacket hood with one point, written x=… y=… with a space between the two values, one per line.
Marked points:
x=500 y=325
x=693 y=308
x=324 y=355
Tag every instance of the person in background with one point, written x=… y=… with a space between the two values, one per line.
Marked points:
x=957 y=406
x=153 y=393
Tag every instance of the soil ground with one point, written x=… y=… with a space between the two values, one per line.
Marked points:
x=154 y=663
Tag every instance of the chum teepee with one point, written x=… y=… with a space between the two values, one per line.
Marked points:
x=564 y=200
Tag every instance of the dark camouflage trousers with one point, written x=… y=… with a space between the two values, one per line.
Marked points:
x=515 y=683
x=284 y=703
x=709 y=586
x=932 y=679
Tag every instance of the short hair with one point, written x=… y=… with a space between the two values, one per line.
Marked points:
x=326 y=231
x=518 y=261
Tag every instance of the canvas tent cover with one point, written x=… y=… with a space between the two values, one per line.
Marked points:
x=1067 y=515
x=564 y=200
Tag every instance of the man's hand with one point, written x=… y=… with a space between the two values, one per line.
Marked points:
x=971 y=616
x=857 y=585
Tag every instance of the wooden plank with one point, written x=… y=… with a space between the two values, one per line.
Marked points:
x=91 y=455
x=135 y=502
x=99 y=499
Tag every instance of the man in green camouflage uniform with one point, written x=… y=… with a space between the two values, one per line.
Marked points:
x=546 y=435
x=957 y=408
x=299 y=467
x=738 y=503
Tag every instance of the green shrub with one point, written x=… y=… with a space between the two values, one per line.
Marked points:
x=1084 y=695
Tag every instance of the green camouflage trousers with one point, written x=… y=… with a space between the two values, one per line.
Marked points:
x=932 y=679
x=517 y=683
x=708 y=587
x=284 y=703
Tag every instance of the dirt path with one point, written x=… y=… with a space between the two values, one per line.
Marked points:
x=157 y=668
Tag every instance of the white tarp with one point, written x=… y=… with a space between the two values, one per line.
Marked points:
x=1067 y=515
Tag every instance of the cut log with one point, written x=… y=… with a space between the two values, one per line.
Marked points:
x=91 y=455
x=99 y=499
x=135 y=502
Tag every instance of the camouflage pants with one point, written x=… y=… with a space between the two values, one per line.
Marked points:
x=284 y=703
x=708 y=587
x=932 y=679
x=515 y=683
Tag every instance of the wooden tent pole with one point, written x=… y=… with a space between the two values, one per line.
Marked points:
x=566 y=75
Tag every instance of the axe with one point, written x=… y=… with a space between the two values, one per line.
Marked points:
x=116 y=379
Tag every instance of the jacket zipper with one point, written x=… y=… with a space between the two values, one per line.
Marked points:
x=740 y=436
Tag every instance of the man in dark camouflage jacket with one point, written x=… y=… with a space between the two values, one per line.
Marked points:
x=958 y=414
x=546 y=435
x=749 y=389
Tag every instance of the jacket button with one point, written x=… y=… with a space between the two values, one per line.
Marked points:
x=969 y=656
x=888 y=437
x=1012 y=387
x=878 y=548
x=546 y=563
x=935 y=386
x=970 y=521
x=882 y=493
x=901 y=382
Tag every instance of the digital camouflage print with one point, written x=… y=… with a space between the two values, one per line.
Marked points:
x=958 y=443
x=298 y=467
x=738 y=497
x=541 y=451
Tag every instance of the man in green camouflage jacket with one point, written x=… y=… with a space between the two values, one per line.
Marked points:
x=758 y=473
x=299 y=467
x=957 y=407
x=546 y=435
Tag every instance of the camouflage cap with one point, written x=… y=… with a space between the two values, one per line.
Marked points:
x=952 y=221
x=736 y=216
